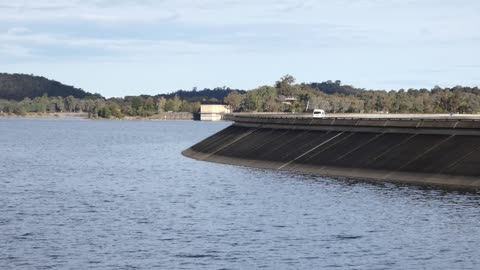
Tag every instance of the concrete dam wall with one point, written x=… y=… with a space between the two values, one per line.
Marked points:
x=409 y=150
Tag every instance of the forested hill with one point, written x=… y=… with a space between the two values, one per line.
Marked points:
x=20 y=86
x=205 y=95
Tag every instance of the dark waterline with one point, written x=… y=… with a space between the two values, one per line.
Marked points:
x=79 y=194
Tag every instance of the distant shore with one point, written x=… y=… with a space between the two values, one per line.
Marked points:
x=186 y=116
x=46 y=115
x=176 y=116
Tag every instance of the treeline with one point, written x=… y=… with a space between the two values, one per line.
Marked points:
x=333 y=97
x=205 y=95
x=283 y=96
x=21 y=94
x=99 y=107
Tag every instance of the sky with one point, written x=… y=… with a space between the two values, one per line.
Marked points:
x=121 y=47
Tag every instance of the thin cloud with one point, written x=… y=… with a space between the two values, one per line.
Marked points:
x=345 y=39
x=24 y=43
x=204 y=12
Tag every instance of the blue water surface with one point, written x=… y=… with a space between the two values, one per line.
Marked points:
x=81 y=194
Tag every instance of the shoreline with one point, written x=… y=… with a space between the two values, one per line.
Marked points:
x=84 y=116
x=45 y=116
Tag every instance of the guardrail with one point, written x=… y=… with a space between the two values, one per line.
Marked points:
x=363 y=116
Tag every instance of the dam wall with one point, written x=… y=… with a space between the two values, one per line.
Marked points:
x=428 y=151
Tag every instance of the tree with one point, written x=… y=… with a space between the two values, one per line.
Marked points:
x=285 y=85
x=176 y=103
x=287 y=79
x=20 y=110
x=149 y=104
x=41 y=104
x=115 y=110
x=252 y=102
x=70 y=103
x=105 y=112
x=234 y=100
x=170 y=105
x=268 y=96
x=137 y=103
x=161 y=104
x=59 y=104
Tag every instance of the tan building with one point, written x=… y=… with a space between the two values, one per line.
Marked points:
x=213 y=112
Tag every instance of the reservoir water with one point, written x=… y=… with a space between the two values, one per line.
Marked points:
x=81 y=194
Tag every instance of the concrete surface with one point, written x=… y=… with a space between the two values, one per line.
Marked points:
x=425 y=151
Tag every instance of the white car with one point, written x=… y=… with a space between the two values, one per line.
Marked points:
x=318 y=113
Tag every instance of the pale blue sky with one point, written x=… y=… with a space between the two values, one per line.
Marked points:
x=120 y=47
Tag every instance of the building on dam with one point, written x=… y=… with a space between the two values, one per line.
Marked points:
x=213 y=112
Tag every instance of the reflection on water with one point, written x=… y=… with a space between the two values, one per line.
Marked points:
x=118 y=195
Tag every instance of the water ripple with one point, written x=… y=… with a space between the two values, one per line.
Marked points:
x=118 y=195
